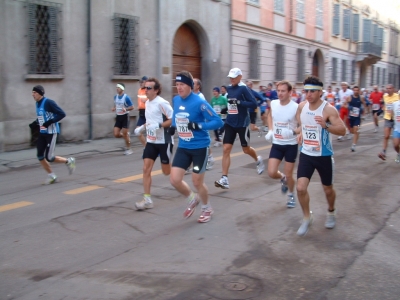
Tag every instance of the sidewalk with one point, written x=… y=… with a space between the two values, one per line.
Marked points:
x=16 y=159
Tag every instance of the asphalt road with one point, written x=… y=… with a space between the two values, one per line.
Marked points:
x=81 y=238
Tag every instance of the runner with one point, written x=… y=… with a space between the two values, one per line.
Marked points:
x=159 y=142
x=253 y=112
x=283 y=123
x=142 y=98
x=355 y=104
x=122 y=106
x=237 y=122
x=220 y=105
x=396 y=130
x=388 y=99
x=329 y=96
x=344 y=93
x=48 y=115
x=376 y=98
x=192 y=118
x=318 y=121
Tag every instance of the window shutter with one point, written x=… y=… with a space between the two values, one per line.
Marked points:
x=366 y=30
x=336 y=19
x=133 y=46
x=279 y=62
x=334 y=69
x=375 y=33
x=346 y=23
x=356 y=27
x=32 y=38
x=254 y=58
x=53 y=40
x=380 y=37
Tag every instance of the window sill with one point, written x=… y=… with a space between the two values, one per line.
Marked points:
x=335 y=35
x=319 y=27
x=300 y=21
x=126 y=77
x=280 y=13
x=44 y=77
x=253 y=4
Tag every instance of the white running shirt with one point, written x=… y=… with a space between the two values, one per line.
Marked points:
x=157 y=111
x=283 y=118
x=396 y=111
x=343 y=95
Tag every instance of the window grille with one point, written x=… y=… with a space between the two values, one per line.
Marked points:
x=300 y=10
x=279 y=6
x=254 y=59
x=334 y=69
x=344 y=70
x=356 y=28
x=336 y=19
x=300 y=65
x=319 y=18
x=279 y=62
x=44 y=37
x=346 y=23
x=126 y=45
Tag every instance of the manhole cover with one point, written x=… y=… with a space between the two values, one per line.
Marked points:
x=235 y=286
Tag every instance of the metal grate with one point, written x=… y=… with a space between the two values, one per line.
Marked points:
x=126 y=45
x=44 y=38
x=279 y=62
x=254 y=59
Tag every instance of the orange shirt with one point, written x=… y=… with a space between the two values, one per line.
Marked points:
x=142 y=98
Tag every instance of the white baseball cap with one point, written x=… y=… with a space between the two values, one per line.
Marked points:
x=235 y=72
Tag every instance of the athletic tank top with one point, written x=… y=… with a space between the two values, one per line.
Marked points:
x=316 y=140
x=283 y=118
x=43 y=116
x=396 y=111
x=120 y=104
x=355 y=107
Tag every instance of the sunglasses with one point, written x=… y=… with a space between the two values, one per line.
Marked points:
x=148 y=88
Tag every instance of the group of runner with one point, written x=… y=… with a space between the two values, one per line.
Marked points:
x=310 y=124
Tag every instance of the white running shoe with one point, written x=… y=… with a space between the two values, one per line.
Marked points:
x=217 y=144
x=397 y=160
x=330 y=220
x=50 y=179
x=265 y=129
x=128 y=152
x=305 y=225
x=260 y=165
x=353 y=148
x=146 y=203
x=71 y=165
x=223 y=183
x=340 y=138
x=210 y=162
x=376 y=129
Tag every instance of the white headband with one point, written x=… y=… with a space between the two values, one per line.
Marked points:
x=120 y=86
x=312 y=87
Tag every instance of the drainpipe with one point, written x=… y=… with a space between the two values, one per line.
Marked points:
x=291 y=17
x=89 y=53
x=159 y=73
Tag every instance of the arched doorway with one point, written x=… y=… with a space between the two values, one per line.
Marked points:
x=186 y=53
x=318 y=65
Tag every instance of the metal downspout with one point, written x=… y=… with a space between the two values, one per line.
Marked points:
x=89 y=53
x=159 y=73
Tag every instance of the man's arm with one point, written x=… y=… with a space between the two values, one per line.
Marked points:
x=59 y=114
x=331 y=115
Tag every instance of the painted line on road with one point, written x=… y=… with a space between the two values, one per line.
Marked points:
x=83 y=190
x=15 y=205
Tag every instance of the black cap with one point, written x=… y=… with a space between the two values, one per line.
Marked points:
x=144 y=78
x=38 y=89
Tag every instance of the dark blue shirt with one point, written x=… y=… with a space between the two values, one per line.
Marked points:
x=51 y=106
x=247 y=101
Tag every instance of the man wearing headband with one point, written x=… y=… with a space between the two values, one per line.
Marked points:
x=193 y=118
x=240 y=99
x=48 y=115
x=142 y=98
x=122 y=106
x=317 y=120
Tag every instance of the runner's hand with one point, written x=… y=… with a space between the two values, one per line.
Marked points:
x=268 y=136
x=287 y=133
x=171 y=130
x=194 y=126
x=153 y=126
x=234 y=101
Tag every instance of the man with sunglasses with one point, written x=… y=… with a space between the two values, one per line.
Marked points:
x=193 y=117
x=159 y=141
x=318 y=120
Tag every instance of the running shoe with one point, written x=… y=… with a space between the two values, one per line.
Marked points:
x=284 y=187
x=223 y=183
x=305 y=225
x=191 y=206
x=217 y=144
x=210 y=162
x=349 y=136
x=71 y=165
x=330 y=220
x=340 y=138
x=382 y=156
x=376 y=129
x=397 y=160
x=265 y=129
x=128 y=152
x=146 y=203
x=260 y=165
x=205 y=215
x=50 y=179
x=353 y=148
x=188 y=171
x=291 y=202
x=140 y=129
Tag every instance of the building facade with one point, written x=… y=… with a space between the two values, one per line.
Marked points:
x=79 y=50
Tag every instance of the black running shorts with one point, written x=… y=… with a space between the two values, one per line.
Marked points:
x=323 y=164
x=185 y=157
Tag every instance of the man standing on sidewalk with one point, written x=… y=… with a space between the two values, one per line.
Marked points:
x=48 y=114
x=122 y=106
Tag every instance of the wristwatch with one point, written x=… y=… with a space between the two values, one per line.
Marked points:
x=327 y=125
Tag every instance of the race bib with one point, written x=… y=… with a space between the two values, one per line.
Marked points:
x=278 y=128
x=151 y=135
x=389 y=106
x=232 y=108
x=397 y=116
x=41 y=121
x=311 y=140
x=182 y=121
x=355 y=112
x=376 y=106
x=217 y=109
x=119 y=108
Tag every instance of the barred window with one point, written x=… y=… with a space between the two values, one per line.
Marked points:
x=353 y=71
x=279 y=6
x=300 y=65
x=254 y=59
x=319 y=18
x=300 y=10
x=334 y=69
x=344 y=70
x=45 y=38
x=126 y=45
x=279 y=62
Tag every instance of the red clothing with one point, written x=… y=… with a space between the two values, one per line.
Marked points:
x=376 y=97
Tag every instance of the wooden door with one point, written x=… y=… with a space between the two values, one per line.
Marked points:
x=186 y=54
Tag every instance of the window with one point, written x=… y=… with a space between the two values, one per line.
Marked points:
x=367 y=30
x=300 y=65
x=346 y=23
x=319 y=16
x=383 y=76
x=279 y=6
x=344 y=70
x=300 y=10
x=353 y=71
x=336 y=19
x=372 y=75
x=375 y=34
x=279 y=62
x=256 y=2
x=390 y=78
x=378 y=76
x=45 y=38
x=380 y=37
x=126 y=45
x=254 y=59
x=334 y=69
x=356 y=28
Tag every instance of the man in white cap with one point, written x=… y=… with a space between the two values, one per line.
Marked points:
x=240 y=99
